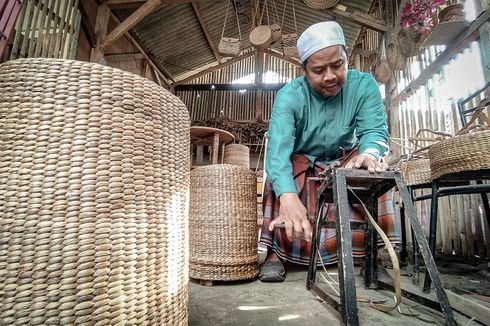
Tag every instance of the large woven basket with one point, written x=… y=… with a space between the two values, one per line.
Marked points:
x=289 y=48
x=453 y=12
x=406 y=43
x=416 y=172
x=223 y=223
x=321 y=4
x=229 y=46
x=396 y=59
x=468 y=152
x=261 y=37
x=94 y=168
x=237 y=154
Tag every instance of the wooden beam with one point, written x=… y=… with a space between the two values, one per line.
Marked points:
x=453 y=48
x=362 y=19
x=197 y=11
x=125 y=56
x=229 y=87
x=125 y=4
x=130 y=22
x=100 y=29
x=87 y=29
x=165 y=76
x=363 y=52
x=214 y=68
x=282 y=57
x=469 y=307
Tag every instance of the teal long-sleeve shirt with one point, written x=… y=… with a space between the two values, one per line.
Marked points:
x=305 y=122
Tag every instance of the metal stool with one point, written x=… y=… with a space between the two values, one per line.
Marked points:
x=368 y=187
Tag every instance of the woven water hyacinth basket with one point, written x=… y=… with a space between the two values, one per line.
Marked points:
x=416 y=172
x=93 y=197
x=276 y=31
x=289 y=48
x=237 y=154
x=229 y=46
x=382 y=72
x=396 y=59
x=406 y=43
x=320 y=4
x=223 y=223
x=453 y=12
x=468 y=152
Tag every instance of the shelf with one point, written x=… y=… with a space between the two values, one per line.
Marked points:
x=445 y=32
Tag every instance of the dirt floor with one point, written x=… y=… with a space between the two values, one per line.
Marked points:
x=289 y=303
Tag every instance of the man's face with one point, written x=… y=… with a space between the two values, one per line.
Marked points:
x=326 y=70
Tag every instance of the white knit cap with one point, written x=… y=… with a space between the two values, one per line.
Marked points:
x=319 y=36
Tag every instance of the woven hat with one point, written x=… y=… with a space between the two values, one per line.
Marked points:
x=319 y=36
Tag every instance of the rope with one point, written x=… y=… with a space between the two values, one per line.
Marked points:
x=226 y=17
x=237 y=20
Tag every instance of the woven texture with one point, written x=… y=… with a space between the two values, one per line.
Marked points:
x=276 y=32
x=94 y=168
x=223 y=223
x=453 y=12
x=237 y=154
x=406 y=43
x=320 y=4
x=468 y=152
x=261 y=37
x=416 y=172
x=382 y=72
x=289 y=48
x=229 y=46
x=396 y=59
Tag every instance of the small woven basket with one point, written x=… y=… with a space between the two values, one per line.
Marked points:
x=261 y=37
x=406 y=43
x=396 y=59
x=289 y=48
x=94 y=170
x=223 y=223
x=229 y=46
x=453 y=12
x=468 y=152
x=237 y=154
x=416 y=172
x=382 y=72
x=276 y=32
x=321 y=4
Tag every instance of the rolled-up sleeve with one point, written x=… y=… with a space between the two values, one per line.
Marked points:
x=281 y=139
x=372 y=127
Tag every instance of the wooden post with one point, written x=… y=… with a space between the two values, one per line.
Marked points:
x=199 y=154
x=485 y=43
x=215 y=148
x=259 y=70
x=101 y=24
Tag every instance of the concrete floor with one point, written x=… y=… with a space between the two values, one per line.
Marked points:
x=289 y=303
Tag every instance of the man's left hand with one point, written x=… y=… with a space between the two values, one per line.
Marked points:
x=366 y=161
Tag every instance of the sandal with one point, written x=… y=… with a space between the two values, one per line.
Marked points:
x=272 y=271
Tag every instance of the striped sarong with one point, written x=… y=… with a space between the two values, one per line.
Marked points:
x=298 y=250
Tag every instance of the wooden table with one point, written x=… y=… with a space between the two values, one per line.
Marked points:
x=207 y=136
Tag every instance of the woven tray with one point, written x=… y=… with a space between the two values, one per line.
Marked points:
x=94 y=173
x=416 y=172
x=261 y=37
x=321 y=4
x=468 y=152
x=237 y=154
x=223 y=223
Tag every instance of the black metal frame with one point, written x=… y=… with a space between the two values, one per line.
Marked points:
x=369 y=187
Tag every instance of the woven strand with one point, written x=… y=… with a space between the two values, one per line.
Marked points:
x=237 y=154
x=223 y=223
x=94 y=175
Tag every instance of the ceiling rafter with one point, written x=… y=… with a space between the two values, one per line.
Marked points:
x=200 y=18
x=360 y=18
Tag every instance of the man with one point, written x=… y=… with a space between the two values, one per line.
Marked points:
x=331 y=114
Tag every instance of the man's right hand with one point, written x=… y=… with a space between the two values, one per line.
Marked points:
x=292 y=213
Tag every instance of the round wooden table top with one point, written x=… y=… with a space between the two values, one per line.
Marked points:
x=204 y=135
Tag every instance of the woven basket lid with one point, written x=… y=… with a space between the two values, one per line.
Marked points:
x=261 y=36
x=321 y=4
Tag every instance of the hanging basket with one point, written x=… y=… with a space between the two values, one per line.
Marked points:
x=229 y=46
x=454 y=12
x=261 y=37
x=382 y=71
x=320 y=4
x=289 y=48
x=406 y=43
x=396 y=59
x=276 y=32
